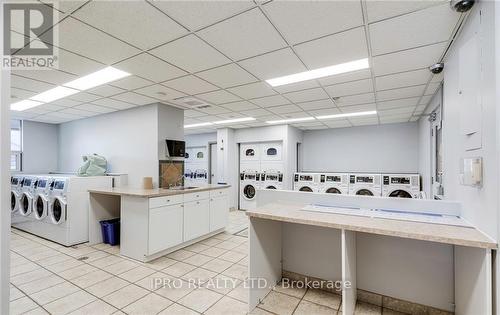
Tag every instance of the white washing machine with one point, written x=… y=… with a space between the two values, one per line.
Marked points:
x=334 y=183
x=41 y=201
x=27 y=196
x=249 y=152
x=365 y=184
x=249 y=183
x=200 y=177
x=401 y=185
x=15 y=192
x=272 y=181
x=306 y=182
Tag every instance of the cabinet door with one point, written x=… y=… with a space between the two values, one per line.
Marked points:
x=165 y=227
x=219 y=211
x=196 y=219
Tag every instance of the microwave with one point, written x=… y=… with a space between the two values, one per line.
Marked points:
x=175 y=148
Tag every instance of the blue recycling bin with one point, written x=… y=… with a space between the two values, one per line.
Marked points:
x=111 y=231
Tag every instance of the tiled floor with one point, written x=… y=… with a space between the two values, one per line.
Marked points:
x=49 y=278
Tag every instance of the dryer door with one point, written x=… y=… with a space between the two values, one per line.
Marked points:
x=271 y=187
x=364 y=192
x=25 y=204
x=271 y=151
x=333 y=190
x=249 y=152
x=306 y=189
x=400 y=193
x=249 y=192
x=41 y=206
x=58 y=210
x=14 y=201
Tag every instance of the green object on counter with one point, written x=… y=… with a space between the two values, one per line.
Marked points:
x=94 y=165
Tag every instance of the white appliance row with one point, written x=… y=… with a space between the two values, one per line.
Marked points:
x=386 y=185
x=261 y=157
x=251 y=181
x=54 y=206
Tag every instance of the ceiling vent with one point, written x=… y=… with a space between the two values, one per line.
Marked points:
x=191 y=102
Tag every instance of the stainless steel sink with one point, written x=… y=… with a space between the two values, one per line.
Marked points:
x=182 y=187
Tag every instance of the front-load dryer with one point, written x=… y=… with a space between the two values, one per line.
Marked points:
x=27 y=196
x=271 y=151
x=272 y=181
x=249 y=184
x=249 y=152
x=401 y=185
x=41 y=202
x=15 y=192
x=306 y=182
x=334 y=183
x=58 y=208
x=365 y=184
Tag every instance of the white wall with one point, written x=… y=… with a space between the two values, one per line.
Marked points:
x=40 y=147
x=385 y=148
x=200 y=140
x=170 y=126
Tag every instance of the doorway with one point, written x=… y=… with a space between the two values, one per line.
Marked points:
x=212 y=179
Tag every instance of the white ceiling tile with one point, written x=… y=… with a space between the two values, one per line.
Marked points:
x=197 y=14
x=150 y=67
x=108 y=102
x=397 y=111
x=230 y=115
x=245 y=35
x=253 y=90
x=328 y=103
x=135 y=22
x=307 y=95
x=432 y=88
x=274 y=64
x=346 y=77
x=65 y=102
x=397 y=80
x=343 y=123
x=227 y=76
x=305 y=20
x=89 y=42
x=131 y=83
x=106 y=90
x=350 y=88
x=334 y=49
x=64 y=116
x=358 y=108
x=378 y=10
x=95 y=108
x=425 y=99
x=78 y=112
x=259 y=112
x=394 y=119
x=406 y=102
x=209 y=118
x=214 y=110
x=269 y=101
x=297 y=86
x=285 y=109
x=417 y=58
x=190 y=85
x=20 y=94
x=411 y=91
x=134 y=98
x=50 y=107
x=408 y=31
x=315 y=127
x=218 y=97
x=23 y=115
x=355 y=99
x=29 y=84
x=67 y=6
x=415 y=118
x=73 y=63
x=49 y=76
x=324 y=111
x=240 y=106
x=191 y=54
x=84 y=97
x=193 y=113
x=420 y=109
x=299 y=114
x=364 y=121
x=438 y=77
x=160 y=92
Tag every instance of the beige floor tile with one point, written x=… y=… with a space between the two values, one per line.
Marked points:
x=29 y=276
x=41 y=284
x=53 y=293
x=15 y=293
x=107 y=286
x=101 y=246
x=199 y=276
x=237 y=271
x=91 y=278
x=222 y=284
x=21 y=305
x=54 y=260
x=180 y=255
x=214 y=252
x=197 y=247
x=307 y=308
x=200 y=299
x=323 y=298
x=175 y=290
x=240 y=293
x=279 y=303
x=178 y=269
x=290 y=289
x=259 y=311
x=232 y=256
x=106 y=261
x=24 y=268
x=150 y=304
x=136 y=274
x=243 y=248
x=217 y=265
x=69 y=303
x=160 y=263
x=227 y=305
x=211 y=241
x=125 y=296
x=243 y=262
x=239 y=239
x=95 y=256
x=227 y=245
x=64 y=265
x=44 y=255
x=223 y=236
x=367 y=309
x=197 y=260
x=120 y=267
x=98 y=307
x=386 y=311
x=178 y=309
x=115 y=250
x=77 y=271
x=154 y=281
x=36 y=311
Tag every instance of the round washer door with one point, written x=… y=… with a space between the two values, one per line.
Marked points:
x=306 y=189
x=25 y=204
x=271 y=187
x=333 y=190
x=40 y=205
x=58 y=210
x=399 y=193
x=249 y=192
x=14 y=201
x=364 y=192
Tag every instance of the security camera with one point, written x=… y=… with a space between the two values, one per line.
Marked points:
x=462 y=5
x=437 y=67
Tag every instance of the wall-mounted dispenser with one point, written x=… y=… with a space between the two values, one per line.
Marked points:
x=471 y=171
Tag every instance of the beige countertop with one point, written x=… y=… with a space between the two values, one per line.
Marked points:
x=448 y=234
x=156 y=192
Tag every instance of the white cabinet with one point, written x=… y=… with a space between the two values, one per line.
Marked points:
x=219 y=211
x=165 y=227
x=196 y=219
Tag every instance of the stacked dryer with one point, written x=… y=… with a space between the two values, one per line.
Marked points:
x=305 y=182
x=196 y=166
x=15 y=196
x=401 y=185
x=334 y=183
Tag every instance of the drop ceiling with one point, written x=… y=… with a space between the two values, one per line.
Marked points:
x=221 y=52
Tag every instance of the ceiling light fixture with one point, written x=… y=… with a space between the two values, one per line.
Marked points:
x=321 y=72
x=24 y=105
x=236 y=120
x=198 y=125
x=97 y=78
x=373 y=112
x=291 y=120
x=54 y=94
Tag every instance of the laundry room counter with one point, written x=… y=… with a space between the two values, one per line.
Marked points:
x=156 y=192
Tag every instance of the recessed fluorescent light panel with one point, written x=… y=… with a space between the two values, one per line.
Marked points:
x=97 y=78
x=320 y=72
x=198 y=125
x=236 y=120
x=373 y=112
x=24 y=105
x=292 y=120
x=54 y=94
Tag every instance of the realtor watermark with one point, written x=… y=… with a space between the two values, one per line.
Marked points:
x=29 y=36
